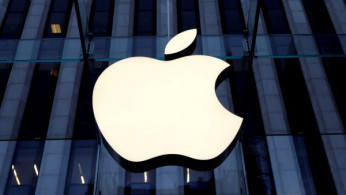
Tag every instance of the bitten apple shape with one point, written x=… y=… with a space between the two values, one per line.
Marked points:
x=148 y=109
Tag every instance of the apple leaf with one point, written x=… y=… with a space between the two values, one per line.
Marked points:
x=181 y=42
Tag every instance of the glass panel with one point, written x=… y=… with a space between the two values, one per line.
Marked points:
x=101 y=18
x=85 y=125
x=13 y=22
x=25 y=168
x=302 y=121
x=39 y=103
x=232 y=18
x=81 y=172
x=140 y=183
x=335 y=69
x=188 y=15
x=58 y=17
x=198 y=182
x=246 y=104
x=251 y=14
x=145 y=18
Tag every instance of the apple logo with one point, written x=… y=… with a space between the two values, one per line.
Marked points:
x=153 y=113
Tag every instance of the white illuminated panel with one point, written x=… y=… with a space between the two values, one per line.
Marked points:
x=146 y=108
x=180 y=41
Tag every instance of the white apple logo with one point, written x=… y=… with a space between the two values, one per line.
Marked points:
x=148 y=109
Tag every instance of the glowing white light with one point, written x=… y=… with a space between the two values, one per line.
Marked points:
x=147 y=108
x=36 y=170
x=145 y=177
x=81 y=173
x=187 y=175
x=180 y=41
x=15 y=175
x=82 y=179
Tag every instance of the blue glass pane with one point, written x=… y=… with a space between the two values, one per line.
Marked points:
x=81 y=172
x=40 y=100
x=230 y=4
x=25 y=168
x=199 y=182
x=18 y=6
x=140 y=183
x=145 y=4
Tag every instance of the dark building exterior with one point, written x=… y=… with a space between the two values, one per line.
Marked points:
x=287 y=80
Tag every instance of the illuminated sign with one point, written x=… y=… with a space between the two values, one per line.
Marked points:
x=153 y=113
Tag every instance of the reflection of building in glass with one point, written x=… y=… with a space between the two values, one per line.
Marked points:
x=292 y=96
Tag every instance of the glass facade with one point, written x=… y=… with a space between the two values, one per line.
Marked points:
x=286 y=80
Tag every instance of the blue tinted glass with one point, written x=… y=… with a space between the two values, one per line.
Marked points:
x=81 y=171
x=145 y=4
x=100 y=23
x=14 y=19
x=18 y=6
x=25 y=168
x=232 y=17
x=278 y=22
x=275 y=17
x=145 y=18
x=102 y=5
x=234 y=23
x=188 y=21
x=5 y=70
x=101 y=18
x=273 y=4
x=302 y=121
x=145 y=23
x=198 y=182
x=60 y=5
x=85 y=126
x=40 y=100
x=335 y=69
x=188 y=5
x=246 y=104
x=230 y=4
x=140 y=183
x=318 y=16
x=12 y=25
x=58 y=17
x=188 y=15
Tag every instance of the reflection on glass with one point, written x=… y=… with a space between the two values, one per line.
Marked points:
x=187 y=175
x=36 y=170
x=81 y=171
x=15 y=175
x=256 y=156
x=140 y=183
x=199 y=182
x=22 y=178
